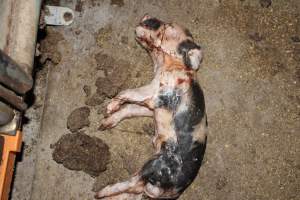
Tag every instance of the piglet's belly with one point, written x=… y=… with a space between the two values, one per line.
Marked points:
x=164 y=130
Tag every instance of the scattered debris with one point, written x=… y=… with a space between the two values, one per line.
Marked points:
x=276 y=68
x=103 y=35
x=117 y=72
x=48 y=48
x=124 y=40
x=52 y=2
x=295 y=38
x=77 y=32
x=119 y=3
x=265 y=3
x=87 y=90
x=79 y=151
x=255 y=36
x=149 y=129
x=79 y=5
x=78 y=119
x=95 y=100
x=107 y=87
x=221 y=183
x=104 y=62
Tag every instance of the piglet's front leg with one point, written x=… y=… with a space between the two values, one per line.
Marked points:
x=141 y=96
x=127 y=111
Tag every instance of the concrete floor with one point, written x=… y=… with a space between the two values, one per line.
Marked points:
x=250 y=76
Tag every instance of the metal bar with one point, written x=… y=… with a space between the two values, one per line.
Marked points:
x=6 y=114
x=12 y=127
x=13 y=76
x=21 y=39
x=11 y=98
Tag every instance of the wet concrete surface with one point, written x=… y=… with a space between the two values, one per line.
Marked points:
x=250 y=77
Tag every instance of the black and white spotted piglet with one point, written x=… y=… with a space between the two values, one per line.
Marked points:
x=175 y=100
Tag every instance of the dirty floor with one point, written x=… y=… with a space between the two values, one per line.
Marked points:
x=250 y=77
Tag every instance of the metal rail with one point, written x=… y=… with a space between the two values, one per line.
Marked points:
x=11 y=98
x=12 y=76
x=6 y=114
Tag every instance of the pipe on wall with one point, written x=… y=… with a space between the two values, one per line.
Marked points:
x=19 y=22
x=11 y=98
x=12 y=76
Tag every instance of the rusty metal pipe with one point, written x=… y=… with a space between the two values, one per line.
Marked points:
x=11 y=98
x=13 y=76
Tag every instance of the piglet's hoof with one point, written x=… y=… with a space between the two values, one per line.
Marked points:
x=96 y=196
x=105 y=124
x=113 y=106
x=103 y=127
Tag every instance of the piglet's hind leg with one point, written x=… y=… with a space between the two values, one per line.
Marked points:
x=134 y=185
x=125 y=196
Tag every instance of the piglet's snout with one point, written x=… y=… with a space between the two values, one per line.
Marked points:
x=140 y=32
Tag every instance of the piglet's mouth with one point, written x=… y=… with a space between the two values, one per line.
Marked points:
x=139 y=38
x=143 y=40
x=140 y=35
x=145 y=43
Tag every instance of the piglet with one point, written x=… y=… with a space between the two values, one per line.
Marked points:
x=176 y=102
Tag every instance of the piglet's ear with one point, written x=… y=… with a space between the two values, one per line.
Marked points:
x=145 y=17
x=191 y=54
x=195 y=58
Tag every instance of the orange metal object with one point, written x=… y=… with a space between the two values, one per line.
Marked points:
x=12 y=145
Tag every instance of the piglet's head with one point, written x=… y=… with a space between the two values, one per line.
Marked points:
x=169 y=38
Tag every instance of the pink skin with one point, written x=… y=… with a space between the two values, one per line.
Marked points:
x=126 y=196
x=141 y=99
x=140 y=102
x=134 y=187
x=127 y=111
x=137 y=96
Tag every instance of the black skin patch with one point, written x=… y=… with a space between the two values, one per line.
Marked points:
x=186 y=120
x=191 y=164
x=174 y=168
x=168 y=100
x=188 y=33
x=178 y=163
x=152 y=24
x=184 y=47
x=162 y=170
x=184 y=123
